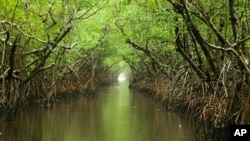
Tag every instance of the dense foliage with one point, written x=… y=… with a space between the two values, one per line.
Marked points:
x=191 y=55
x=49 y=48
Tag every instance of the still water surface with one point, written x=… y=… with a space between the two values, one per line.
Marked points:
x=115 y=114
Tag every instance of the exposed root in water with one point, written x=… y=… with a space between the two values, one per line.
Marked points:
x=45 y=91
x=215 y=104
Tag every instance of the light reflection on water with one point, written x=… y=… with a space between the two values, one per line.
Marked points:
x=115 y=114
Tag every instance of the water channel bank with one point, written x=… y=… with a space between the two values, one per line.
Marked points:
x=115 y=113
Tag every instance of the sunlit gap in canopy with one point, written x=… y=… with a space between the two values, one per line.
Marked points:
x=123 y=70
x=121 y=77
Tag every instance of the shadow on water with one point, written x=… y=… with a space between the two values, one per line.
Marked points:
x=115 y=114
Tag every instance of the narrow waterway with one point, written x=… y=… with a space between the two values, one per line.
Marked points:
x=115 y=114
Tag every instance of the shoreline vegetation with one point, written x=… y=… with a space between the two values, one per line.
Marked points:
x=43 y=55
x=205 y=127
x=191 y=56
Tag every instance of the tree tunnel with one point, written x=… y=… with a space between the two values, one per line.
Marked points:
x=191 y=56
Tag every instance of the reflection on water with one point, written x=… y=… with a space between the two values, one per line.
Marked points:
x=115 y=114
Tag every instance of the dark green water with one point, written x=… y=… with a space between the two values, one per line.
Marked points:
x=115 y=114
